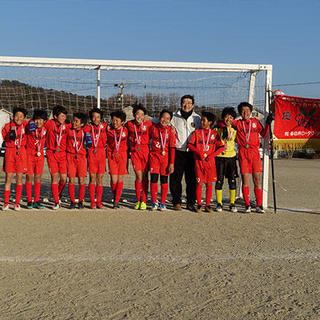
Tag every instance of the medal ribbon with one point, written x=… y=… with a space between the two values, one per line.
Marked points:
x=205 y=144
x=58 y=139
x=163 y=143
x=76 y=142
x=138 y=138
x=38 y=142
x=18 y=141
x=117 y=142
x=96 y=140
x=247 y=134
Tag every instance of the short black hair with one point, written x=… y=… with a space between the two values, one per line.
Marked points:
x=19 y=109
x=137 y=107
x=209 y=115
x=95 y=110
x=166 y=111
x=119 y=114
x=229 y=111
x=187 y=96
x=82 y=116
x=59 y=109
x=40 y=114
x=244 y=104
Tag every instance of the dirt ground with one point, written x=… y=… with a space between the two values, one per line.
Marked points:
x=125 y=264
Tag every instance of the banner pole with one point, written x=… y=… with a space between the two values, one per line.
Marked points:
x=272 y=171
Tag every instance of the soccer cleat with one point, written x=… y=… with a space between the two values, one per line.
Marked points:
x=143 y=206
x=93 y=205
x=259 y=209
x=17 y=207
x=137 y=206
x=219 y=207
x=116 y=205
x=38 y=205
x=99 y=205
x=233 y=207
x=80 y=205
x=208 y=209
x=177 y=207
x=56 y=206
x=155 y=206
x=163 y=207
x=247 y=209
x=199 y=209
x=72 y=205
x=5 y=207
x=30 y=205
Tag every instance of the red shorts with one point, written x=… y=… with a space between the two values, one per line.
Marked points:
x=97 y=161
x=118 y=164
x=77 y=165
x=205 y=171
x=140 y=159
x=13 y=162
x=35 y=164
x=249 y=160
x=57 y=162
x=159 y=163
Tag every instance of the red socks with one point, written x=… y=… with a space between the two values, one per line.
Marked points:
x=6 y=196
x=118 y=191
x=37 y=188
x=29 y=191
x=245 y=192
x=18 y=192
x=164 y=192
x=208 y=194
x=138 y=189
x=71 y=192
x=145 y=186
x=55 y=192
x=92 y=193
x=154 y=191
x=199 y=193
x=82 y=191
x=99 y=194
x=258 y=194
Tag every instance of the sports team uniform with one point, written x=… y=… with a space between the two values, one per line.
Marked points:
x=36 y=141
x=76 y=161
x=206 y=144
x=162 y=153
x=117 y=146
x=56 y=152
x=15 y=158
x=248 y=141
x=96 y=157
x=139 y=151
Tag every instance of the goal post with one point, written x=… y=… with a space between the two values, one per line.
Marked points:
x=80 y=84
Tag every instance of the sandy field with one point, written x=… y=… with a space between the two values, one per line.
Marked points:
x=125 y=264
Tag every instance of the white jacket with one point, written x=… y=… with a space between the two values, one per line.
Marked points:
x=184 y=128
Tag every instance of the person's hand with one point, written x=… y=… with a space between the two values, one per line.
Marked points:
x=269 y=119
x=171 y=168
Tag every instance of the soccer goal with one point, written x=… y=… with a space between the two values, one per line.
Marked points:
x=80 y=84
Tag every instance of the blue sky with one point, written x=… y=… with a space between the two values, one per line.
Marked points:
x=284 y=33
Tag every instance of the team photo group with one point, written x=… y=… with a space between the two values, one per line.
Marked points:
x=203 y=149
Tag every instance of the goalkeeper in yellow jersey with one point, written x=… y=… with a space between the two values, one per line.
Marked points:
x=226 y=163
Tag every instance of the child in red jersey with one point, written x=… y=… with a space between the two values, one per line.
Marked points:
x=162 y=153
x=206 y=144
x=76 y=158
x=138 y=130
x=57 y=130
x=96 y=136
x=15 y=158
x=248 y=131
x=36 y=139
x=117 y=146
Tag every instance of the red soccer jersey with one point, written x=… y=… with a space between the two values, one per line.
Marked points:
x=75 y=141
x=206 y=141
x=138 y=134
x=162 y=138
x=248 y=132
x=36 y=139
x=98 y=134
x=21 y=139
x=117 y=140
x=56 y=135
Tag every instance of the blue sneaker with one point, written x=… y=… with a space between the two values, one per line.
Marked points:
x=163 y=207
x=155 y=206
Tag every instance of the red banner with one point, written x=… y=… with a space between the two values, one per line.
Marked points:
x=297 y=123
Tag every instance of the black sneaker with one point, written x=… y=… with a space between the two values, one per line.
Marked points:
x=30 y=205
x=72 y=205
x=80 y=205
x=219 y=207
x=191 y=207
x=116 y=205
x=38 y=205
x=259 y=209
x=233 y=207
x=247 y=209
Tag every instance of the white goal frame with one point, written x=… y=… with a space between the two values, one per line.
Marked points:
x=93 y=64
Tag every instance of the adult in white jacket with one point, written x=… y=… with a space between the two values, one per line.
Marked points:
x=185 y=121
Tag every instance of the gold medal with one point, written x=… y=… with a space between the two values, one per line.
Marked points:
x=163 y=153
x=95 y=151
x=205 y=155
x=38 y=154
x=138 y=148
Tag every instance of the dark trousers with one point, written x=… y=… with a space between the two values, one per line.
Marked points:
x=183 y=164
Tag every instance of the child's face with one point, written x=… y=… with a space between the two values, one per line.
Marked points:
x=39 y=122
x=139 y=116
x=205 y=124
x=228 y=119
x=245 y=113
x=187 y=105
x=61 y=118
x=165 y=119
x=76 y=123
x=116 y=122
x=96 y=118
x=18 y=118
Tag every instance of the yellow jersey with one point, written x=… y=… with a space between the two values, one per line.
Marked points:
x=230 y=152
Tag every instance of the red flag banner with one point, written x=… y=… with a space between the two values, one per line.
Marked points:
x=297 y=123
